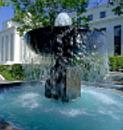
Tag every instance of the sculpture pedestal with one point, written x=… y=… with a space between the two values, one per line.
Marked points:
x=64 y=84
x=73 y=83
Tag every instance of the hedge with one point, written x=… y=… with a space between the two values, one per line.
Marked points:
x=116 y=63
x=12 y=72
x=16 y=71
x=23 y=72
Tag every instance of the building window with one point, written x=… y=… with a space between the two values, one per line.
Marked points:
x=117 y=40
x=102 y=14
x=103 y=29
x=90 y=17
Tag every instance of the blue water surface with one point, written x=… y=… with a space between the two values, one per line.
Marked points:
x=28 y=109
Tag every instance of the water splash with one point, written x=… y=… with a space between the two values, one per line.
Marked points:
x=29 y=100
x=87 y=49
x=36 y=66
x=88 y=109
x=94 y=65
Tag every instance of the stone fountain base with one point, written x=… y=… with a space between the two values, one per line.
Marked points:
x=64 y=84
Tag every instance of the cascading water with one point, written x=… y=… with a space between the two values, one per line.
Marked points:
x=92 y=61
x=71 y=47
x=37 y=67
x=95 y=65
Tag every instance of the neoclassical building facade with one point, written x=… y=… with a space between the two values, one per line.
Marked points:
x=102 y=17
x=10 y=44
x=13 y=48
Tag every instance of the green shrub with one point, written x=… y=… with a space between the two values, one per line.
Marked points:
x=116 y=63
x=16 y=72
x=12 y=72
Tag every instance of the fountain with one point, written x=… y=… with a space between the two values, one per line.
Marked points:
x=79 y=54
x=69 y=45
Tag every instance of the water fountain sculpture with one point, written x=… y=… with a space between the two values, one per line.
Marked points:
x=69 y=46
x=75 y=50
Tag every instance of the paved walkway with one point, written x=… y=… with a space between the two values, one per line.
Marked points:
x=116 y=77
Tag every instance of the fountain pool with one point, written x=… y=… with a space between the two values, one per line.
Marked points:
x=96 y=109
x=28 y=109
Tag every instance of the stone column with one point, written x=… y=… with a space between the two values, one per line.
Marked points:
x=4 y=49
x=9 y=46
x=12 y=46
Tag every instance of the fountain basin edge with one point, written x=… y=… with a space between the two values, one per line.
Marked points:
x=18 y=83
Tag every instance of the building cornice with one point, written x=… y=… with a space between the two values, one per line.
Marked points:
x=7 y=29
x=106 y=5
x=106 y=19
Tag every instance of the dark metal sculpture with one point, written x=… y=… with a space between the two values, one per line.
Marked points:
x=66 y=44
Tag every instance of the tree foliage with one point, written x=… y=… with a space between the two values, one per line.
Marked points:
x=1 y=3
x=119 y=6
x=4 y=3
x=31 y=14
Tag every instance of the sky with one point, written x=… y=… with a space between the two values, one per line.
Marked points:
x=6 y=13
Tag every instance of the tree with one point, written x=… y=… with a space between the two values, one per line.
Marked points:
x=31 y=14
x=4 y=3
x=1 y=3
x=119 y=6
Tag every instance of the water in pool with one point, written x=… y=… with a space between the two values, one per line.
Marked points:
x=28 y=109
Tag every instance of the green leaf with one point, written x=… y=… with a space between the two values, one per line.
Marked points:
x=33 y=14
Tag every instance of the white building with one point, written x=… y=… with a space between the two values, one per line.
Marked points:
x=13 y=48
x=102 y=17
x=10 y=44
